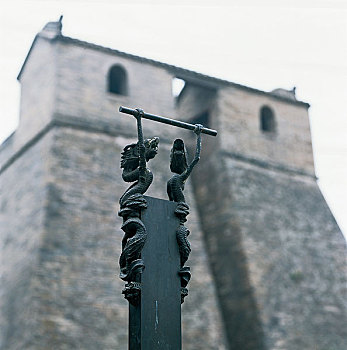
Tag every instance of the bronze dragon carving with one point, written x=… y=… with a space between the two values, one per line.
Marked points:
x=134 y=164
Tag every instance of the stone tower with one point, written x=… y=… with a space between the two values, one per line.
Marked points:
x=268 y=259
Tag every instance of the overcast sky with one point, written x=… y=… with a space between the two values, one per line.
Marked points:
x=263 y=44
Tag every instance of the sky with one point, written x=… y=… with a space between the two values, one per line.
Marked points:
x=264 y=44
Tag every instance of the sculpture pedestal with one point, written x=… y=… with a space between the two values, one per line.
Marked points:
x=155 y=323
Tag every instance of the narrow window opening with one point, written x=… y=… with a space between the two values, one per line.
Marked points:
x=267 y=120
x=117 y=81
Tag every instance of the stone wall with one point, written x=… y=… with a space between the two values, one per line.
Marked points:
x=38 y=90
x=295 y=257
x=268 y=265
x=22 y=204
x=288 y=147
x=276 y=252
x=80 y=301
x=82 y=89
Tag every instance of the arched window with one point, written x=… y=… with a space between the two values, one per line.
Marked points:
x=267 y=120
x=117 y=80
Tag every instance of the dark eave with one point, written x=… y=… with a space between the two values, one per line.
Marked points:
x=181 y=73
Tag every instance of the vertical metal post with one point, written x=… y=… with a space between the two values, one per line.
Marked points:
x=155 y=324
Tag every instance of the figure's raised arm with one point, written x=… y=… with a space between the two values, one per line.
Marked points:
x=197 y=131
x=141 y=144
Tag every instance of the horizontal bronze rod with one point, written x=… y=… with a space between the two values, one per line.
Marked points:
x=165 y=120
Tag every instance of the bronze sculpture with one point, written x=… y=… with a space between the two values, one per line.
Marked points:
x=134 y=164
x=175 y=187
x=155 y=236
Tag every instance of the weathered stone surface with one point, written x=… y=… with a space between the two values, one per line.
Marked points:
x=268 y=260
x=22 y=214
x=277 y=254
x=292 y=244
x=289 y=147
x=286 y=284
x=74 y=284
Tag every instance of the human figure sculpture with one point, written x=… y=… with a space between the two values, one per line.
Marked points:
x=175 y=188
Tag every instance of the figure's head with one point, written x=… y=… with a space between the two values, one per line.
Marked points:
x=178 y=158
x=130 y=156
x=151 y=146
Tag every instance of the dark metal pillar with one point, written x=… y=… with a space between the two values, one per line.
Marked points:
x=155 y=323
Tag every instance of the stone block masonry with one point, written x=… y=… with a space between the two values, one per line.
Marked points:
x=73 y=288
x=268 y=259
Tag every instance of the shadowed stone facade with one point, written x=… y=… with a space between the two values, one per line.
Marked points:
x=268 y=259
